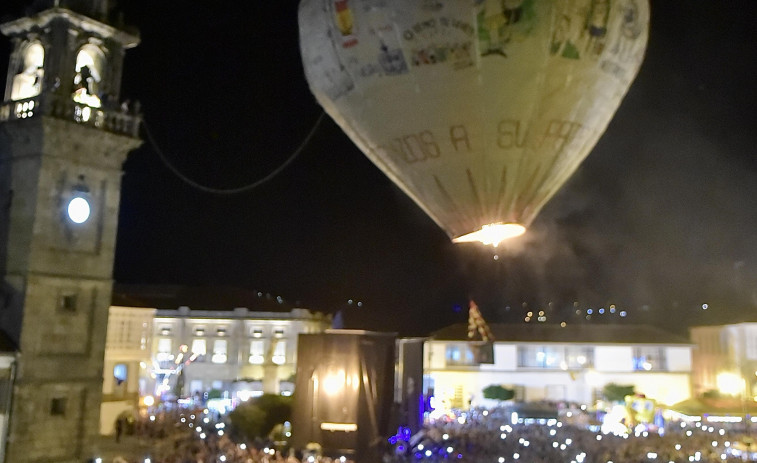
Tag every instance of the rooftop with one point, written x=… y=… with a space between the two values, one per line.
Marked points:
x=585 y=334
x=198 y=298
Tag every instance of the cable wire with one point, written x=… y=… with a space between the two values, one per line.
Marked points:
x=230 y=191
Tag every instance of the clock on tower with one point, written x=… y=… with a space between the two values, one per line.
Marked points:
x=63 y=140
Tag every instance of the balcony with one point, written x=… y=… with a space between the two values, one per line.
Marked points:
x=114 y=120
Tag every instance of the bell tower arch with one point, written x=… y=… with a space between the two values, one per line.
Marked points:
x=63 y=140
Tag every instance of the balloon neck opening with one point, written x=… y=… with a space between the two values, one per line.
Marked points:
x=492 y=234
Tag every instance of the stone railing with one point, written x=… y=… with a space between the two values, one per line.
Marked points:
x=121 y=121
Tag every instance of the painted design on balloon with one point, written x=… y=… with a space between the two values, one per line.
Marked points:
x=392 y=61
x=497 y=21
x=439 y=40
x=596 y=26
x=345 y=23
x=630 y=30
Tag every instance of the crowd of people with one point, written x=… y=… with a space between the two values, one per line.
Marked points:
x=199 y=436
x=481 y=438
x=195 y=437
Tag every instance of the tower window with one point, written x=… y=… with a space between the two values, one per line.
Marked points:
x=89 y=66
x=28 y=82
x=58 y=406
x=67 y=302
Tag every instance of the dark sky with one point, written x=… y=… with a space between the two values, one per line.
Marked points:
x=660 y=219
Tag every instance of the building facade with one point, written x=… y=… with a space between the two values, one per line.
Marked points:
x=238 y=353
x=128 y=356
x=549 y=362
x=725 y=359
x=63 y=140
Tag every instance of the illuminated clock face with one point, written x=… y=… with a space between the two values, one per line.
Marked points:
x=78 y=210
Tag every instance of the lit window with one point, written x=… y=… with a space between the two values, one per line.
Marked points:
x=649 y=358
x=460 y=355
x=199 y=331
x=221 y=331
x=120 y=373
x=257 y=352
x=257 y=333
x=219 y=351
x=579 y=357
x=279 y=333
x=279 y=353
x=543 y=357
x=199 y=347
x=28 y=82
x=164 y=350
x=89 y=65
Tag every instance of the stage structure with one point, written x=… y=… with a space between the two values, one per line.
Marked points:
x=344 y=392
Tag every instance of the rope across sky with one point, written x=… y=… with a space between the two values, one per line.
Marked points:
x=237 y=190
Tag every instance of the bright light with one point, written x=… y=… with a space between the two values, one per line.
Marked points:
x=730 y=383
x=593 y=378
x=334 y=383
x=149 y=400
x=78 y=210
x=492 y=234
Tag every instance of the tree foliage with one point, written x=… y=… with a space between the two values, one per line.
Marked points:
x=214 y=394
x=247 y=421
x=498 y=392
x=258 y=417
x=617 y=392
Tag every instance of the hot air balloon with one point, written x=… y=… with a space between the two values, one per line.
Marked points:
x=479 y=110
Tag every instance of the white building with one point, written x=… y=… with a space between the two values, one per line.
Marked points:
x=240 y=353
x=549 y=362
x=725 y=359
x=127 y=357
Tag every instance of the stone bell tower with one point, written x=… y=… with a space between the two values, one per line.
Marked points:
x=63 y=140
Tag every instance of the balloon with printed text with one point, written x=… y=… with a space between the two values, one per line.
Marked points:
x=479 y=110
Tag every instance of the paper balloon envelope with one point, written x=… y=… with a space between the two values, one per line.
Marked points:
x=479 y=110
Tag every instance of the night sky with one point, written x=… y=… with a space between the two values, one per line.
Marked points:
x=660 y=219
